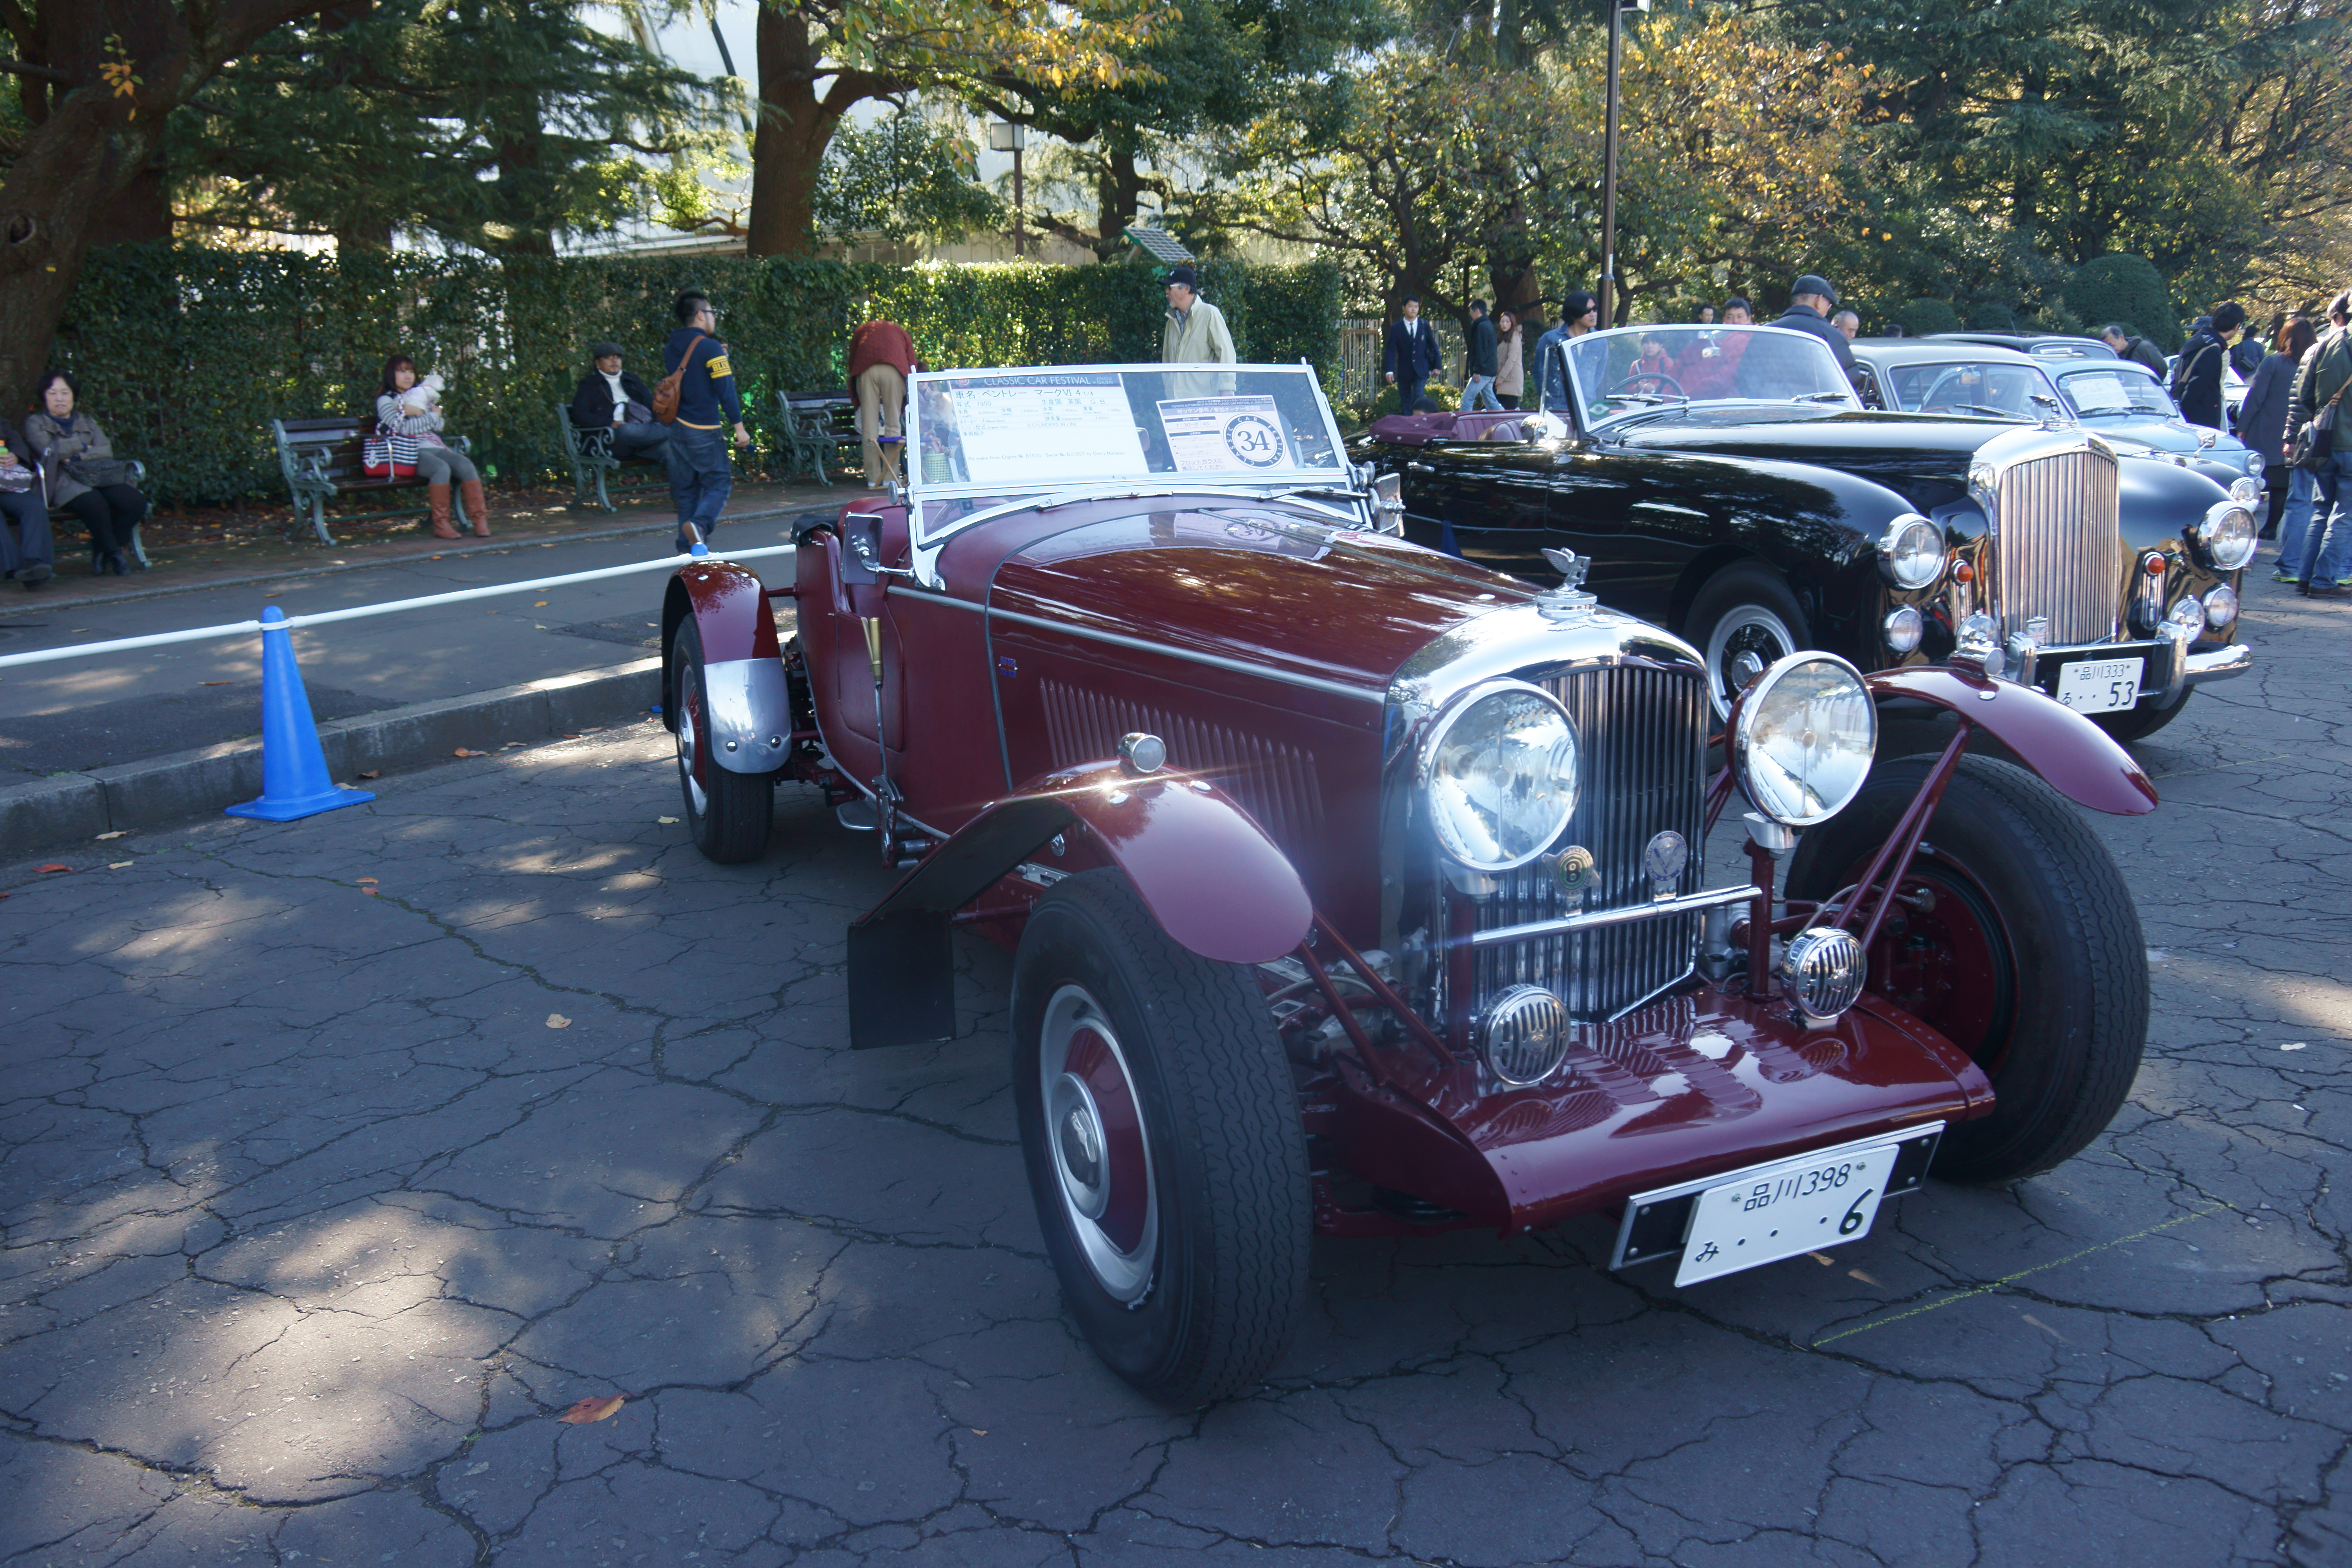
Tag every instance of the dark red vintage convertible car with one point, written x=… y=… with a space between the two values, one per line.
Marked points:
x=1358 y=891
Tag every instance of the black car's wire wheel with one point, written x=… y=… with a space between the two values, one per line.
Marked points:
x=729 y=813
x=2017 y=939
x=1161 y=1129
x=1744 y=620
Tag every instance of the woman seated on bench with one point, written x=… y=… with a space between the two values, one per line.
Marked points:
x=83 y=475
x=408 y=407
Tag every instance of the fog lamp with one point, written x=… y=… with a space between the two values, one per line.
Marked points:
x=2220 y=606
x=1524 y=1036
x=1824 y=970
x=2186 y=619
x=1901 y=628
x=1806 y=736
x=1911 y=552
x=1143 y=753
x=2247 y=489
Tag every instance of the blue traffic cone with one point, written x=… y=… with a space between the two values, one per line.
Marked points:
x=294 y=782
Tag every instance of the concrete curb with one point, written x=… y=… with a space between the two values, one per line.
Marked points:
x=160 y=792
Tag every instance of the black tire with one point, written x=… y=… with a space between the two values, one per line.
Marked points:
x=2031 y=960
x=729 y=813
x=1743 y=609
x=2138 y=724
x=1190 y=1282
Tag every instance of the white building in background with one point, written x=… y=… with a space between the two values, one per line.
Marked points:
x=726 y=45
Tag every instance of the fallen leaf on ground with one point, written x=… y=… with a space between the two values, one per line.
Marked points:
x=589 y=1410
x=980 y=1431
x=1821 y=1258
x=540 y=605
x=217 y=683
x=52 y=866
x=373 y=774
x=462 y=752
x=116 y=834
x=558 y=1021
x=2298 y=1045
x=666 y=819
x=1858 y=1274
x=364 y=879
x=117 y=865
x=369 y=892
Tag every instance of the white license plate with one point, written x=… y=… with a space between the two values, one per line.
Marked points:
x=1771 y=1212
x=2100 y=686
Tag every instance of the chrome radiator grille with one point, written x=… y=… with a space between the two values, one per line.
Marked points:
x=2057 y=550
x=1642 y=736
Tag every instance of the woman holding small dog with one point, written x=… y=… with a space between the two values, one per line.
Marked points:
x=409 y=407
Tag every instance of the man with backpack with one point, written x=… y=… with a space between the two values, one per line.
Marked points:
x=2319 y=388
x=2197 y=379
x=698 y=386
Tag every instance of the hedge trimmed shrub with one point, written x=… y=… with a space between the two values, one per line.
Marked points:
x=1926 y=318
x=186 y=354
x=2128 y=290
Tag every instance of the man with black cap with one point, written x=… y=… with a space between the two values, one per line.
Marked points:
x=1811 y=300
x=701 y=475
x=2197 y=377
x=610 y=398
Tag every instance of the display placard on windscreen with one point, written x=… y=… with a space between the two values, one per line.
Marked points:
x=1015 y=428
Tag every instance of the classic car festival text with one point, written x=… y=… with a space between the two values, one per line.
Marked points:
x=1667 y=900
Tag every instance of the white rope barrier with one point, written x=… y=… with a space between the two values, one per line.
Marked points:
x=296 y=623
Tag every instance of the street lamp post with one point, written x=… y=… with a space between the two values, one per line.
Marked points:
x=1608 y=289
x=1004 y=136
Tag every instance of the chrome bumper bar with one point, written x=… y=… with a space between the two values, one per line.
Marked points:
x=1590 y=919
x=2219 y=665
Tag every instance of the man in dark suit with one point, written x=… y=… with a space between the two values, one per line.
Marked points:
x=610 y=398
x=1411 y=355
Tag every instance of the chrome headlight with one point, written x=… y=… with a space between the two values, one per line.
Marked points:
x=2220 y=606
x=2247 y=491
x=1901 y=628
x=2228 y=535
x=1806 y=737
x=1911 y=552
x=2254 y=464
x=1388 y=503
x=1499 y=774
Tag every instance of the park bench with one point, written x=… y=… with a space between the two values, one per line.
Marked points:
x=321 y=460
x=591 y=451
x=818 y=425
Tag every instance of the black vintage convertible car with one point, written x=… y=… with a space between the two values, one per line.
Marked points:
x=1727 y=483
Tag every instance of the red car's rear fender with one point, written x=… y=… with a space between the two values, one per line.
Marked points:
x=2077 y=758
x=1205 y=869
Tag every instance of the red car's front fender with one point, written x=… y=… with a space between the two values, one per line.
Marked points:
x=1205 y=869
x=730 y=606
x=2077 y=758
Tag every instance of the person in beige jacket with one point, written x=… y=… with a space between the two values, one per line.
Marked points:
x=1195 y=334
x=1510 y=362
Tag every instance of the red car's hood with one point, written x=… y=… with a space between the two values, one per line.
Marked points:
x=1255 y=581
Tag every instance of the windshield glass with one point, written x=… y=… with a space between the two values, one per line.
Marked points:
x=1998 y=387
x=2113 y=392
x=1632 y=368
x=977 y=438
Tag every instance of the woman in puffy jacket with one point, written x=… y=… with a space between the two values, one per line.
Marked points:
x=409 y=407
x=76 y=458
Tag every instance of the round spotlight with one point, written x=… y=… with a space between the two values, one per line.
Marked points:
x=1143 y=753
x=1824 y=970
x=1806 y=736
x=2220 y=606
x=1524 y=1036
x=2188 y=614
x=2246 y=489
x=1901 y=628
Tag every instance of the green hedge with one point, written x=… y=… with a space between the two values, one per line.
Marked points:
x=186 y=354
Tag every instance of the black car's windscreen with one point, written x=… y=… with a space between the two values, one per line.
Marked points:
x=2001 y=387
x=2113 y=392
x=1631 y=368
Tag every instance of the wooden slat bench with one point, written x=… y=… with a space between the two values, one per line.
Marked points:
x=320 y=458
x=591 y=451
x=817 y=426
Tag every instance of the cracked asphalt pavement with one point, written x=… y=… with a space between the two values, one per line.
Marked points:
x=339 y=1158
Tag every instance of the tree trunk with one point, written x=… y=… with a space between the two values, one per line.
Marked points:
x=1118 y=191
x=88 y=144
x=795 y=128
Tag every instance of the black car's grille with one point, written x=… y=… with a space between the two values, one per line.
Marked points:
x=2057 y=547
x=1643 y=734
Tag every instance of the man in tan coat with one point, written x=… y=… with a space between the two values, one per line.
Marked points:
x=881 y=358
x=1195 y=334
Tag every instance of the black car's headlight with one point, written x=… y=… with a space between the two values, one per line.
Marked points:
x=1499 y=775
x=1806 y=737
x=2227 y=535
x=1911 y=552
